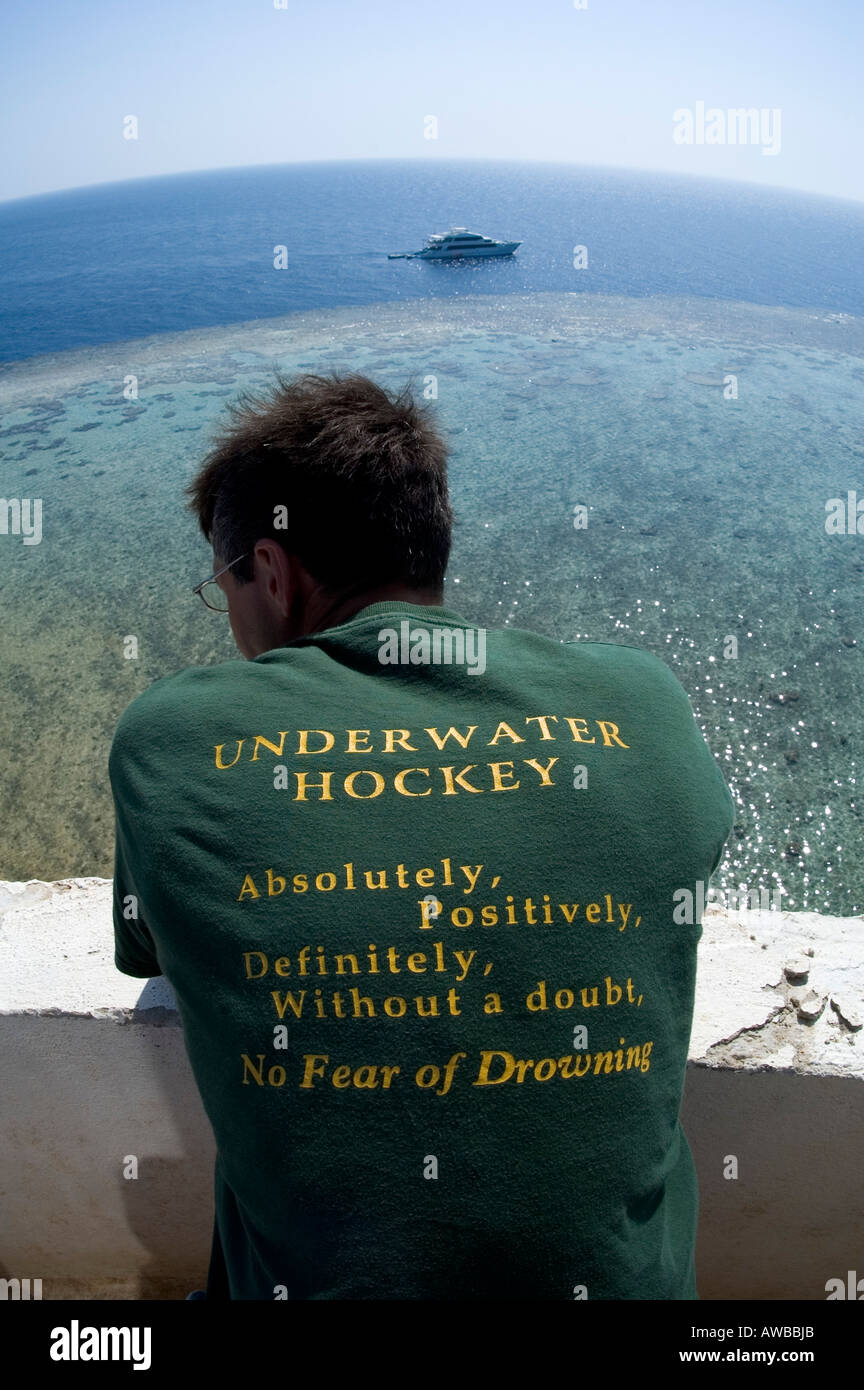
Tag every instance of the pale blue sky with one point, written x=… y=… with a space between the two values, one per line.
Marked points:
x=216 y=83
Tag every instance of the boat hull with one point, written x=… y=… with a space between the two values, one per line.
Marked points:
x=469 y=254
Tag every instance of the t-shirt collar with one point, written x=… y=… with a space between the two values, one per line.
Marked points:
x=431 y=612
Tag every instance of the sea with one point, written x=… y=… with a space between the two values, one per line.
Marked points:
x=655 y=410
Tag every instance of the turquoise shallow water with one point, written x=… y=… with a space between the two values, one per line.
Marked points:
x=706 y=521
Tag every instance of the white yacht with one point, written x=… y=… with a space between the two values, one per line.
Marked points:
x=457 y=244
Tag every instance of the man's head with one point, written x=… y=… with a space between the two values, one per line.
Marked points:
x=330 y=494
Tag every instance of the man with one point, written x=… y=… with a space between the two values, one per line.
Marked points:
x=417 y=887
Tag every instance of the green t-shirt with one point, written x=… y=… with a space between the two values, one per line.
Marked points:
x=427 y=925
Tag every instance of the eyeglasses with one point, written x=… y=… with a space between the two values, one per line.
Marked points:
x=216 y=599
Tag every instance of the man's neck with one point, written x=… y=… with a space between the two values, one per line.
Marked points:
x=328 y=611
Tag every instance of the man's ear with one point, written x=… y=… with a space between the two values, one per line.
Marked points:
x=278 y=571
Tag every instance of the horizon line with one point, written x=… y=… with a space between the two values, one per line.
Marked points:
x=688 y=176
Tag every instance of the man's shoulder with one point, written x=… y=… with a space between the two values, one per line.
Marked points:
x=173 y=700
x=641 y=671
x=620 y=653
x=615 y=658
x=621 y=657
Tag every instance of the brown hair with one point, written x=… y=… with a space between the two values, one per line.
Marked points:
x=362 y=474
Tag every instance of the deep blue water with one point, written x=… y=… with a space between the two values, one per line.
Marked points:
x=555 y=387
x=122 y=261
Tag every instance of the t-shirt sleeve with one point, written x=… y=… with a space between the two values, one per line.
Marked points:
x=703 y=762
x=697 y=773
x=134 y=948
x=722 y=797
x=722 y=846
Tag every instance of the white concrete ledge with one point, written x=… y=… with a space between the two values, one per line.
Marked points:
x=95 y=1070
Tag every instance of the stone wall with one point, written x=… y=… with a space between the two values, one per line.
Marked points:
x=95 y=1070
